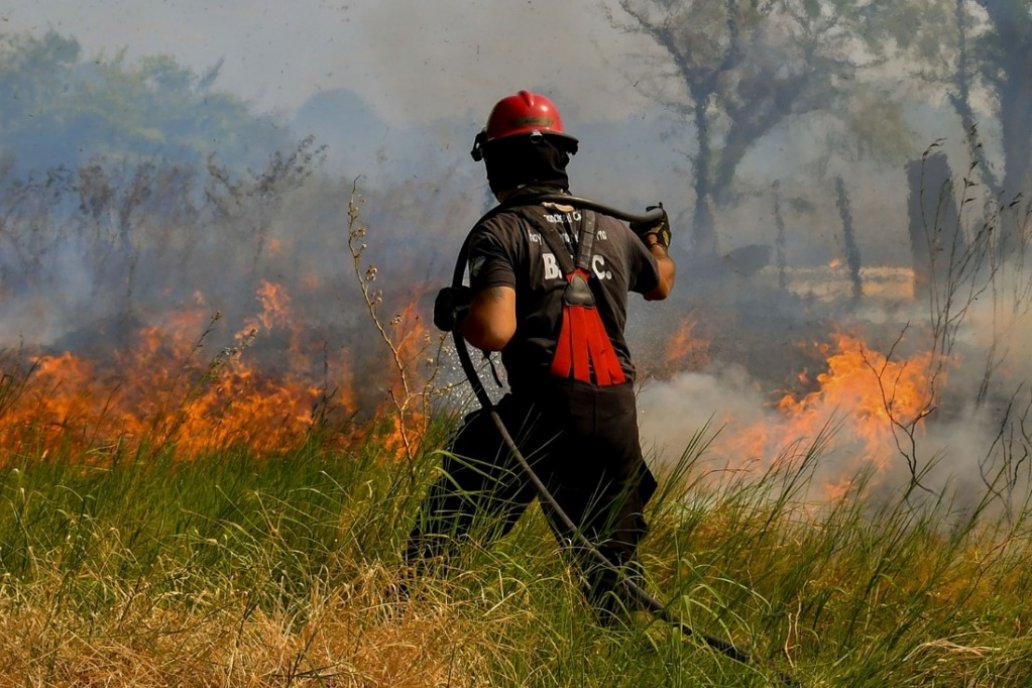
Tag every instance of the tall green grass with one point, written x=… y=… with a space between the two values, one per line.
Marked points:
x=130 y=567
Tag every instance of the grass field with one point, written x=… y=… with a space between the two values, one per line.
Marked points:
x=129 y=567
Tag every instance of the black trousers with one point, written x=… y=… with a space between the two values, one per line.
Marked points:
x=582 y=442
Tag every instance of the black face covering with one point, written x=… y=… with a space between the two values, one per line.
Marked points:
x=523 y=160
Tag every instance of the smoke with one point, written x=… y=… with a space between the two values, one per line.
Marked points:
x=425 y=102
x=935 y=414
x=672 y=411
x=568 y=50
x=414 y=62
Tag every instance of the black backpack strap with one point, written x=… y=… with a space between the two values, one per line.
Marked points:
x=585 y=238
x=577 y=290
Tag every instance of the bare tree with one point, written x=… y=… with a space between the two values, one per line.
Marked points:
x=737 y=69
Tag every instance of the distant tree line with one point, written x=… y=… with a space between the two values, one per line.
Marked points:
x=60 y=107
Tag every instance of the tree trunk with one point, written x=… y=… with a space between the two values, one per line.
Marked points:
x=1013 y=28
x=704 y=235
x=1015 y=106
x=849 y=239
x=934 y=221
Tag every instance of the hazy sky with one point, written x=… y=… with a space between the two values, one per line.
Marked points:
x=446 y=62
x=410 y=60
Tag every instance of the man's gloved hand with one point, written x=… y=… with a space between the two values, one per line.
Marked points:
x=451 y=306
x=657 y=232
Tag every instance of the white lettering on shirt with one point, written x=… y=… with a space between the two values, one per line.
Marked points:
x=598 y=266
x=557 y=218
x=551 y=266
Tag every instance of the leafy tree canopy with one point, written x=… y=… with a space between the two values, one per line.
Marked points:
x=59 y=108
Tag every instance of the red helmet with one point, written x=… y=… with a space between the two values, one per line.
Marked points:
x=524 y=114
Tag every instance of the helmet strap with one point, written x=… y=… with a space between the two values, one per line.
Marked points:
x=478 y=146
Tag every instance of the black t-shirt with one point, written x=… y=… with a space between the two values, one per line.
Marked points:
x=507 y=249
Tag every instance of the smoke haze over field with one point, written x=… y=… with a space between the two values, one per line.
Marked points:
x=413 y=61
x=422 y=77
x=414 y=81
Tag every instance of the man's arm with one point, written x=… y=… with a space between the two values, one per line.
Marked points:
x=667 y=272
x=491 y=321
x=655 y=235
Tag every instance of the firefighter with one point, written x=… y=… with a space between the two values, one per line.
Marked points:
x=549 y=287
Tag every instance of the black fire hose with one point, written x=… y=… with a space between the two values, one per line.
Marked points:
x=657 y=608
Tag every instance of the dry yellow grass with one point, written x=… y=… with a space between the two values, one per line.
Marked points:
x=348 y=637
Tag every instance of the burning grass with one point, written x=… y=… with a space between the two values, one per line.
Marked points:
x=173 y=518
x=267 y=390
x=229 y=571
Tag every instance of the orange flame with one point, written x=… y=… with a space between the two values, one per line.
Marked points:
x=863 y=395
x=411 y=338
x=686 y=350
x=161 y=391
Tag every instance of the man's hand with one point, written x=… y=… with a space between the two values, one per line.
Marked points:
x=451 y=306
x=656 y=232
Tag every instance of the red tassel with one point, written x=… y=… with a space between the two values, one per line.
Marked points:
x=596 y=346
x=563 y=358
x=579 y=340
x=603 y=356
x=584 y=347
